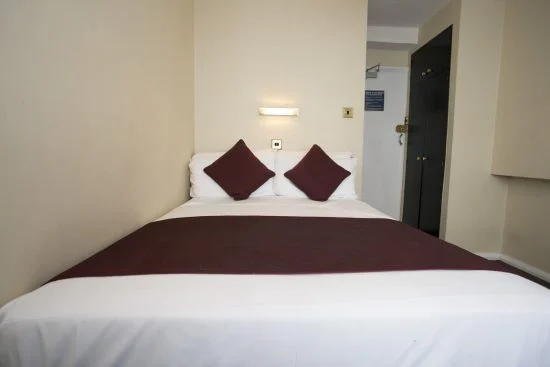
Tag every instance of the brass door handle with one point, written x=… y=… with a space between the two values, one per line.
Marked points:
x=402 y=129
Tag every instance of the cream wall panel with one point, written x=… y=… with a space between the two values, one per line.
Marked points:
x=527 y=233
x=448 y=15
x=521 y=147
x=96 y=127
x=388 y=58
x=309 y=54
x=521 y=137
x=477 y=200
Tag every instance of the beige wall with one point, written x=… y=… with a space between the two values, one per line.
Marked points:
x=448 y=15
x=307 y=53
x=521 y=147
x=388 y=58
x=96 y=127
x=527 y=233
x=477 y=200
x=474 y=201
x=521 y=137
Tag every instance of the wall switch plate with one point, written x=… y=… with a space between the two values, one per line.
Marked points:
x=276 y=144
x=347 y=112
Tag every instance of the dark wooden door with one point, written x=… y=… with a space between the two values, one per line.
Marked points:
x=426 y=142
x=415 y=152
x=433 y=160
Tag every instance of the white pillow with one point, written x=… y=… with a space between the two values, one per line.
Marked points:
x=202 y=186
x=286 y=160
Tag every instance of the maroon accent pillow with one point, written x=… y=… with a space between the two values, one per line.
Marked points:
x=317 y=175
x=239 y=172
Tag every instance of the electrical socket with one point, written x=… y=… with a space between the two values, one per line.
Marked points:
x=276 y=144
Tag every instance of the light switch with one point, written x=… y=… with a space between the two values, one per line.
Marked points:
x=347 y=112
x=276 y=144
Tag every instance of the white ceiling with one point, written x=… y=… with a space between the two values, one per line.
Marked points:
x=403 y=13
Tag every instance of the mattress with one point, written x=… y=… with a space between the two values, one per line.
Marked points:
x=398 y=318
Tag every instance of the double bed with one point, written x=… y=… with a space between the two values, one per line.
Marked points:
x=275 y=281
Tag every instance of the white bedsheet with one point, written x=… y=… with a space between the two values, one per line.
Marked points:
x=422 y=318
x=276 y=206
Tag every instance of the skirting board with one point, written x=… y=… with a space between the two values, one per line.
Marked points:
x=539 y=273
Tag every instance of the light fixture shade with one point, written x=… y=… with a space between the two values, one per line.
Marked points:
x=279 y=111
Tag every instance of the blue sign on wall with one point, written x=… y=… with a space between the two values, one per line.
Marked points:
x=374 y=100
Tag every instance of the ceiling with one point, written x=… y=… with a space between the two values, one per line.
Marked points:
x=403 y=13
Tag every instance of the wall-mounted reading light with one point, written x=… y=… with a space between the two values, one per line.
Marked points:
x=279 y=111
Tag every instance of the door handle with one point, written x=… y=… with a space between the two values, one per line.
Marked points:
x=424 y=158
x=402 y=129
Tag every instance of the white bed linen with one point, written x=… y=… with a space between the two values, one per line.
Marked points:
x=275 y=206
x=421 y=318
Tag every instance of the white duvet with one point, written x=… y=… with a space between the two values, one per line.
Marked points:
x=421 y=318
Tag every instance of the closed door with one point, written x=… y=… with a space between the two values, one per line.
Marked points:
x=433 y=161
x=415 y=154
x=383 y=156
x=427 y=137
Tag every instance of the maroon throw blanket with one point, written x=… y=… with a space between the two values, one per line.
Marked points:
x=275 y=245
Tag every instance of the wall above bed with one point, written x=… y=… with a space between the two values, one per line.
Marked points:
x=308 y=54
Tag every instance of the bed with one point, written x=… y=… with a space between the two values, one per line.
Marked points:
x=390 y=318
x=279 y=280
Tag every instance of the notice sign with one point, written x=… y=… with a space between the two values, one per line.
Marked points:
x=374 y=100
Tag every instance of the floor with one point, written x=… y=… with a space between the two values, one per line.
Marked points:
x=525 y=275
